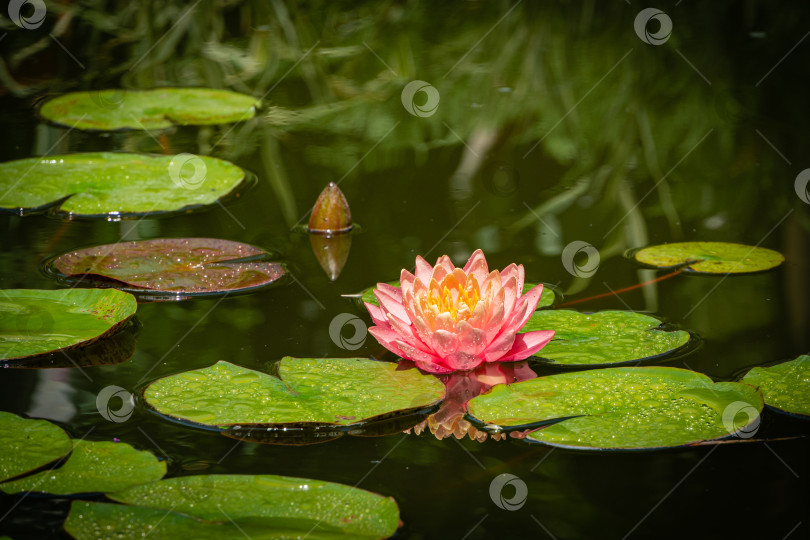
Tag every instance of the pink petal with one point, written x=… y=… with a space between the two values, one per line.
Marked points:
x=387 y=338
x=462 y=361
x=412 y=353
x=515 y=271
x=471 y=340
x=377 y=314
x=408 y=333
x=527 y=344
x=406 y=282
x=511 y=294
x=477 y=265
x=423 y=269
x=499 y=347
x=391 y=305
x=396 y=292
x=444 y=342
x=527 y=304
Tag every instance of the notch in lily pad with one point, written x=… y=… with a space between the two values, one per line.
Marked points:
x=638 y=408
x=324 y=398
x=117 y=186
x=604 y=338
x=709 y=257
x=37 y=322
x=159 y=108
x=785 y=386
x=173 y=268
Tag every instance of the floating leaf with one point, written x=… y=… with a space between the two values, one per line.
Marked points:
x=606 y=337
x=175 y=265
x=547 y=298
x=115 y=185
x=785 y=386
x=94 y=467
x=26 y=445
x=333 y=391
x=622 y=408
x=107 y=110
x=114 y=348
x=296 y=504
x=710 y=257
x=37 y=321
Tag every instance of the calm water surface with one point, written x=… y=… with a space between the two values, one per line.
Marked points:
x=698 y=138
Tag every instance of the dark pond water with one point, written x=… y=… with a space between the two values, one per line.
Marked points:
x=555 y=124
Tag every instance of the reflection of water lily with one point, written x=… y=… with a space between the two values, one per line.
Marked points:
x=447 y=319
x=461 y=388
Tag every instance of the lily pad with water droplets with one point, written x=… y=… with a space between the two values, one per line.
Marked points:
x=785 y=386
x=603 y=338
x=115 y=186
x=710 y=257
x=36 y=321
x=280 y=502
x=116 y=109
x=621 y=408
x=27 y=444
x=547 y=298
x=342 y=392
x=93 y=467
x=186 y=266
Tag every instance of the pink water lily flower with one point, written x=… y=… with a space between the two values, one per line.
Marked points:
x=452 y=319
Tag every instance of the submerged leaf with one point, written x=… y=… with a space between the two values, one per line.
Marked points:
x=36 y=321
x=175 y=265
x=108 y=110
x=606 y=337
x=333 y=391
x=710 y=257
x=622 y=408
x=26 y=444
x=94 y=467
x=282 y=502
x=115 y=185
x=785 y=386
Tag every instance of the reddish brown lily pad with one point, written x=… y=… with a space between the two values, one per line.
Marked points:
x=180 y=266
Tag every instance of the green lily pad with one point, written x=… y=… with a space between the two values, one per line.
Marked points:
x=785 y=386
x=282 y=502
x=38 y=321
x=547 y=298
x=710 y=257
x=108 y=110
x=175 y=265
x=115 y=186
x=94 y=467
x=622 y=408
x=333 y=391
x=26 y=445
x=99 y=521
x=605 y=337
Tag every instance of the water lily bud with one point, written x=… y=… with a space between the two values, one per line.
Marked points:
x=331 y=214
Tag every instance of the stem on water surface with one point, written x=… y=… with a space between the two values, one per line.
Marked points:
x=630 y=288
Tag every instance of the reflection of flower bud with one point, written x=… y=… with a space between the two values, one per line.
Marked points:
x=331 y=213
x=332 y=251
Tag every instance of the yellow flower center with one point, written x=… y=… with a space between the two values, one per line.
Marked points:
x=453 y=300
